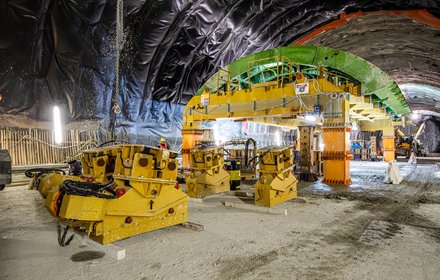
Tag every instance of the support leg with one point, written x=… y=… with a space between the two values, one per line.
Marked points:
x=337 y=155
x=307 y=163
x=389 y=148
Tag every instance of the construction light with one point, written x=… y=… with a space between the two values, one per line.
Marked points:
x=415 y=117
x=277 y=138
x=310 y=118
x=218 y=138
x=57 y=125
x=216 y=135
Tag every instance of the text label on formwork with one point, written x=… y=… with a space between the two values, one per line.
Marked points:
x=204 y=99
x=302 y=88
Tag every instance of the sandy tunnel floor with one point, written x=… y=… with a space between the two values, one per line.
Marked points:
x=371 y=231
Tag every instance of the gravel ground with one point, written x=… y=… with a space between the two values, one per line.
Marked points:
x=369 y=231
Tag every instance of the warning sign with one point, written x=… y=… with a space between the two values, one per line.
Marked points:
x=204 y=98
x=302 y=88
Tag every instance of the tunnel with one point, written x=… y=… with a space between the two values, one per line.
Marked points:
x=219 y=139
x=64 y=53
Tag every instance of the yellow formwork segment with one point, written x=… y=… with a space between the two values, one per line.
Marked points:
x=257 y=102
x=208 y=175
x=139 y=162
x=84 y=208
x=201 y=185
x=278 y=191
x=148 y=197
x=277 y=183
x=389 y=148
x=99 y=163
x=130 y=214
x=53 y=181
x=336 y=155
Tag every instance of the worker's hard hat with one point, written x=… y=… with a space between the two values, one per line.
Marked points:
x=162 y=139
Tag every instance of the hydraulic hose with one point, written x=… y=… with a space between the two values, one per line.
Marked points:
x=90 y=189
x=38 y=171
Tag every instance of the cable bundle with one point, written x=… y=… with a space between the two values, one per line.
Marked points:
x=38 y=171
x=90 y=189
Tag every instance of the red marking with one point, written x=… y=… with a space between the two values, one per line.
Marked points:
x=177 y=186
x=53 y=205
x=422 y=16
x=121 y=192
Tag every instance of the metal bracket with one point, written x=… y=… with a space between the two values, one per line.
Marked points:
x=62 y=236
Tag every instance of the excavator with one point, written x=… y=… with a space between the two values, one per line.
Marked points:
x=405 y=145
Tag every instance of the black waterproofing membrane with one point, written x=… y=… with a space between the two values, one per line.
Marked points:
x=62 y=52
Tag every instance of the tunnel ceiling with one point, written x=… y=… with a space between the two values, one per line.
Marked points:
x=408 y=50
x=54 y=51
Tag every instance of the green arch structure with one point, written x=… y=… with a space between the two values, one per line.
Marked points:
x=374 y=81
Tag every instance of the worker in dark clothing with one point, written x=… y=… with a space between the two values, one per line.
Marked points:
x=163 y=144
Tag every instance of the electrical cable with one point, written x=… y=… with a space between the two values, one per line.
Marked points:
x=37 y=172
x=246 y=151
x=112 y=141
x=90 y=189
x=262 y=156
x=53 y=146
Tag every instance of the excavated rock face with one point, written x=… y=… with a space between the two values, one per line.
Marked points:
x=54 y=51
x=407 y=50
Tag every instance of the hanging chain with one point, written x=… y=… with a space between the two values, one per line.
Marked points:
x=119 y=36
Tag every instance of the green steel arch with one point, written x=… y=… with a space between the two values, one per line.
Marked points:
x=373 y=80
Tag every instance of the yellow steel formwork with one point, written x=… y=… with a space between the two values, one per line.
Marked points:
x=259 y=102
x=52 y=181
x=148 y=198
x=208 y=175
x=281 y=102
x=99 y=163
x=277 y=183
x=282 y=105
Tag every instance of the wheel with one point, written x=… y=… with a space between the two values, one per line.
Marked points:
x=2 y=187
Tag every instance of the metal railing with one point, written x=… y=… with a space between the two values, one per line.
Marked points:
x=279 y=70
